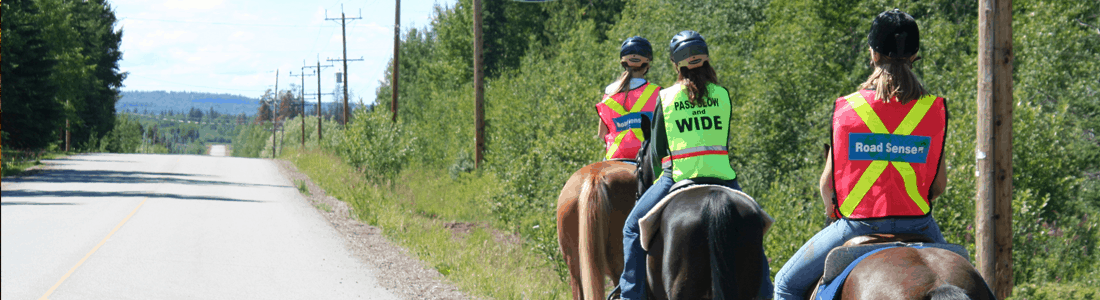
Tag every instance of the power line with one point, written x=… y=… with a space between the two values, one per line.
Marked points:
x=221 y=23
x=344 y=37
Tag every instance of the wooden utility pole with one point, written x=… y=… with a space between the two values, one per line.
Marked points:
x=994 y=145
x=274 y=114
x=396 y=61
x=318 y=72
x=302 y=96
x=479 y=90
x=344 y=38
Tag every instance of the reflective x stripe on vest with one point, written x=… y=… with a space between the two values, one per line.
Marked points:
x=697 y=134
x=630 y=121
x=897 y=157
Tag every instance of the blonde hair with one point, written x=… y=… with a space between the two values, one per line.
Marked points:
x=894 y=77
x=623 y=83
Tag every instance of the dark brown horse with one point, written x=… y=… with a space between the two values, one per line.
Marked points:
x=912 y=273
x=592 y=209
x=909 y=272
x=708 y=246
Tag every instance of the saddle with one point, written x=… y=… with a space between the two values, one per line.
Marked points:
x=855 y=249
x=650 y=223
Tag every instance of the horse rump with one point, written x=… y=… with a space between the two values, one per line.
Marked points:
x=710 y=241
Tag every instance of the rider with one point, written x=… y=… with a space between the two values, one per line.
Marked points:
x=684 y=153
x=885 y=165
x=626 y=100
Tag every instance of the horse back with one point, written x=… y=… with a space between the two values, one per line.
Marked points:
x=913 y=273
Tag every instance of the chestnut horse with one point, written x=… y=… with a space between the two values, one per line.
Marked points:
x=592 y=209
x=709 y=245
x=914 y=273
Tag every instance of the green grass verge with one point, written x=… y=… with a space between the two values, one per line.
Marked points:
x=417 y=213
x=16 y=162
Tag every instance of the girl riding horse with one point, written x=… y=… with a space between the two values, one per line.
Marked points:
x=885 y=165
x=690 y=132
x=593 y=203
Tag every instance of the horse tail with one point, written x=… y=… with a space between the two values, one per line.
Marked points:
x=948 y=292
x=734 y=236
x=593 y=210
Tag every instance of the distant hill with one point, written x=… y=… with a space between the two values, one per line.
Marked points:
x=157 y=101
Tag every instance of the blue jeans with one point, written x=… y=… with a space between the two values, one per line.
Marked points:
x=633 y=280
x=804 y=268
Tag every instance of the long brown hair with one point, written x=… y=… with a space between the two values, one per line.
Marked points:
x=696 y=80
x=623 y=83
x=894 y=77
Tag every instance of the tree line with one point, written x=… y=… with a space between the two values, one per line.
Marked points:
x=61 y=60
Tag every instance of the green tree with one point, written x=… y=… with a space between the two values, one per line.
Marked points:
x=33 y=114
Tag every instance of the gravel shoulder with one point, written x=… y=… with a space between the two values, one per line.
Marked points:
x=398 y=271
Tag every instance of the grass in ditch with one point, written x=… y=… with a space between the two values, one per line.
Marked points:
x=446 y=222
x=16 y=162
x=302 y=188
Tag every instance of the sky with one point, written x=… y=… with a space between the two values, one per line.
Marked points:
x=236 y=47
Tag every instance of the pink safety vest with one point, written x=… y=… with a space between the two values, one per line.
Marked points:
x=622 y=114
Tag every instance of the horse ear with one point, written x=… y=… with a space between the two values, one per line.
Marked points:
x=645 y=126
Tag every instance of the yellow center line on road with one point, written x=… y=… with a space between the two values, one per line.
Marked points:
x=96 y=248
x=104 y=241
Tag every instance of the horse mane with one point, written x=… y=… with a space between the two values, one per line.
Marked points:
x=732 y=222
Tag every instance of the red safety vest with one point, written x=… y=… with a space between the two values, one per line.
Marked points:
x=886 y=155
x=622 y=114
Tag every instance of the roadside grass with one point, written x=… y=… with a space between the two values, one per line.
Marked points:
x=416 y=213
x=302 y=188
x=324 y=206
x=16 y=162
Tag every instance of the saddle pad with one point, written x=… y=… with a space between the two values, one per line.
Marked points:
x=828 y=289
x=650 y=223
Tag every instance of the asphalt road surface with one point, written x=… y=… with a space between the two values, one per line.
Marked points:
x=108 y=226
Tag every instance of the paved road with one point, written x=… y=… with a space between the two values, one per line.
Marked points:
x=217 y=150
x=109 y=226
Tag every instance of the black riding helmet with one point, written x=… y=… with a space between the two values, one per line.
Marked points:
x=636 y=45
x=688 y=49
x=895 y=34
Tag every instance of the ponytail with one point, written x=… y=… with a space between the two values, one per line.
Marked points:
x=622 y=84
x=894 y=77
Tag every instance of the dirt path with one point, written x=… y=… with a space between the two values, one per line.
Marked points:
x=399 y=272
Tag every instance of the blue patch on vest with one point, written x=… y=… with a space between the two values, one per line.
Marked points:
x=888 y=147
x=630 y=121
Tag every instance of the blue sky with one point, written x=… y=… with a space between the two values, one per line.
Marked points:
x=235 y=47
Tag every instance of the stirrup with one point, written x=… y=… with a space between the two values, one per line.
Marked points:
x=615 y=294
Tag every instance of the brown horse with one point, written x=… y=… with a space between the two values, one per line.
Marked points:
x=592 y=209
x=709 y=245
x=915 y=273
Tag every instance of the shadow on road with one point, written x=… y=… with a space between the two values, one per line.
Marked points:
x=89 y=194
x=32 y=203
x=101 y=176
